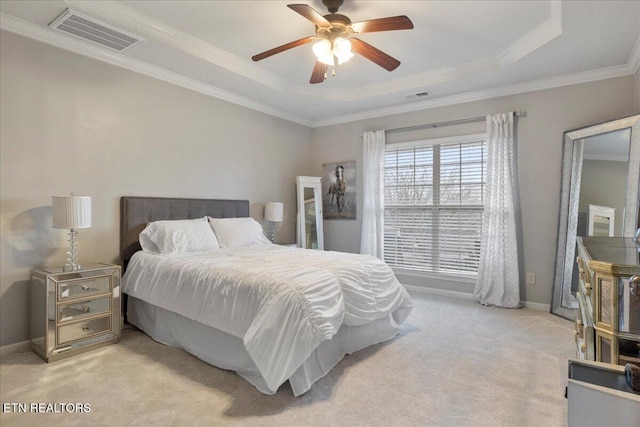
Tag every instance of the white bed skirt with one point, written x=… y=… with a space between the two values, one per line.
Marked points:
x=226 y=351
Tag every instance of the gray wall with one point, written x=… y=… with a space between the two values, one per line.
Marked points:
x=72 y=124
x=550 y=113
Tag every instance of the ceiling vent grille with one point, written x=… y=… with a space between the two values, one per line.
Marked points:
x=86 y=28
x=418 y=95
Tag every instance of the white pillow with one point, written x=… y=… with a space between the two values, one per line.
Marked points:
x=232 y=232
x=177 y=236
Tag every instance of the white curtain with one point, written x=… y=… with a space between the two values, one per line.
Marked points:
x=372 y=240
x=498 y=281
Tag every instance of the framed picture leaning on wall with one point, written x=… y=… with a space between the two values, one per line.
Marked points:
x=339 y=190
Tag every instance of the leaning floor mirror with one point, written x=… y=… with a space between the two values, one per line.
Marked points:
x=309 y=227
x=599 y=196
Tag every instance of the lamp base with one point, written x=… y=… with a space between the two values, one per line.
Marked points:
x=273 y=229
x=72 y=260
x=69 y=267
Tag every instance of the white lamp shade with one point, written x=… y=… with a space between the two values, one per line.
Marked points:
x=71 y=211
x=273 y=211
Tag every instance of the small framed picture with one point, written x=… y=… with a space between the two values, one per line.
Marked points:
x=339 y=190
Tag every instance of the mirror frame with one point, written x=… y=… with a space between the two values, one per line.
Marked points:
x=314 y=183
x=631 y=198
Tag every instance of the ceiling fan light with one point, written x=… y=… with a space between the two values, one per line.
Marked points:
x=322 y=49
x=341 y=46
x=342 y=50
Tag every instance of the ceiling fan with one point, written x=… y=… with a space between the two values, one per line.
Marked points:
x=335 y=41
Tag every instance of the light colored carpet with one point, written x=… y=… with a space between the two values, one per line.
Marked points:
x=455 y=363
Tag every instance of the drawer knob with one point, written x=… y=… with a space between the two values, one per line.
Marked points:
x=85 y=329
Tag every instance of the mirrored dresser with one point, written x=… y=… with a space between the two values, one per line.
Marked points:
x=608 y=314
x=73 y=312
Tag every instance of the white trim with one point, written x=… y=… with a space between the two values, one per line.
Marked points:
x=606 y=157
x=484 y=94
x=469 y=296
x=45 y=35
x=534 y=39
x=536 y=306
x=15 y=348
x=128 y=17
x=80 y=47
x=634 y=60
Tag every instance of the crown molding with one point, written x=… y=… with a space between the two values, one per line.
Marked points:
x=634 y=60
x=62 y=41
x=125 y=16
x=481 y=95
x=531 y=41
x=47 y=36
x=534 y=39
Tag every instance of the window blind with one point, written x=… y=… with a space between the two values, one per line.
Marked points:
x=434 y=194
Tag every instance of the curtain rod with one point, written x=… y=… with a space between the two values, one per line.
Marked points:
x=448 y=123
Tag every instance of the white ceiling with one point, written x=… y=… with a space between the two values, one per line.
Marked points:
x=458 y=50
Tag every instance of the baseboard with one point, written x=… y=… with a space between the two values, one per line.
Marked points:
x=469 y=296
x=536 y=306
x=15 y=348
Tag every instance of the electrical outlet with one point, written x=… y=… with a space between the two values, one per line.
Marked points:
x=531 y=278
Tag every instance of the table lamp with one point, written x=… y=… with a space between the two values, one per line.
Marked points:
x=72 y=212
x=273 y=212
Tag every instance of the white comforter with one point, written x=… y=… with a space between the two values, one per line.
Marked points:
x=282 y=302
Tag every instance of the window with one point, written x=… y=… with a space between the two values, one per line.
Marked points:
x=434 y=195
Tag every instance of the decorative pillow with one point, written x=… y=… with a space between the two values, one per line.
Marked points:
x=177 y=236
x=232 y=232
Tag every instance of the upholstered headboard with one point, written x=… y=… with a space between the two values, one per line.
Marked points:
x=136 y=212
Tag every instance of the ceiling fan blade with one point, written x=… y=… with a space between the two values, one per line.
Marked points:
x=310 y=13
x=319 y=71
x=282 y=48
x=374 y=54
x=383 y=24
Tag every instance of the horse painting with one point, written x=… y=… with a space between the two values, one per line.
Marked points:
x=338 y=187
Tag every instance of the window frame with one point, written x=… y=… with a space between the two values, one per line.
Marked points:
x=423 y=143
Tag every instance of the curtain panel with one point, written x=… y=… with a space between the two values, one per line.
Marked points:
x=372 y=239
x=498 y=280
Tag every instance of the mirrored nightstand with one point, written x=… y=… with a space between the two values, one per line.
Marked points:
x=73 y=312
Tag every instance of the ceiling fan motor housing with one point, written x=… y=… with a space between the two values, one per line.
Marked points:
x=332 y=5
x=340 y=27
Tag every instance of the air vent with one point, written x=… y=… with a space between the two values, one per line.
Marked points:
x=84 y=27
x=418 y=95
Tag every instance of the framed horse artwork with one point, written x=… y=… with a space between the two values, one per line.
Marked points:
x=339 y=190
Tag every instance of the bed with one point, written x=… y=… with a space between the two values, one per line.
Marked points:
x=270 y=313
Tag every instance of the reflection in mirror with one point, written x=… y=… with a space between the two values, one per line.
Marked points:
x=600 y=173
x=309 y=232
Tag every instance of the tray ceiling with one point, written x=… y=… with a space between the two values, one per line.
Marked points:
x=458 y=51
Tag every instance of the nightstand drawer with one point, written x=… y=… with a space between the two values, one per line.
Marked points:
x=81 y=288
x=81 y=330
x=80 y=309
